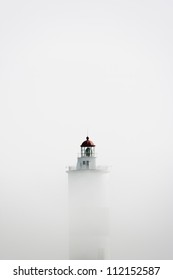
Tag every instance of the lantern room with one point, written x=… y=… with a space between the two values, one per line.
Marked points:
x=87 y=148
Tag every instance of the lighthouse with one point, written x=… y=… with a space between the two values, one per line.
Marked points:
x=88 y=202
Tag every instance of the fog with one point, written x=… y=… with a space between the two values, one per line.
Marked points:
x=89 y=214
x=67 y=68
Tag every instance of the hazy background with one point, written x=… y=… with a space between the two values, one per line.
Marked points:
x=69 y=66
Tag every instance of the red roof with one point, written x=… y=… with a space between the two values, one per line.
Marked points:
x=87 y=143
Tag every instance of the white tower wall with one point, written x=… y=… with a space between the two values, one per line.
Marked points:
x=88 y=212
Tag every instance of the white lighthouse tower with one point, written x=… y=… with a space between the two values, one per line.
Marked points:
x=88 y=207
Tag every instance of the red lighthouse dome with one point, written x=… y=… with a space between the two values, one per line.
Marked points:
x=87 y=143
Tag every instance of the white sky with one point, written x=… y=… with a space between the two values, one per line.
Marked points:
x=71 y=66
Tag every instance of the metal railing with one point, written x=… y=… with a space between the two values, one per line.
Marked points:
x=99 y=167
x=83 y=155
